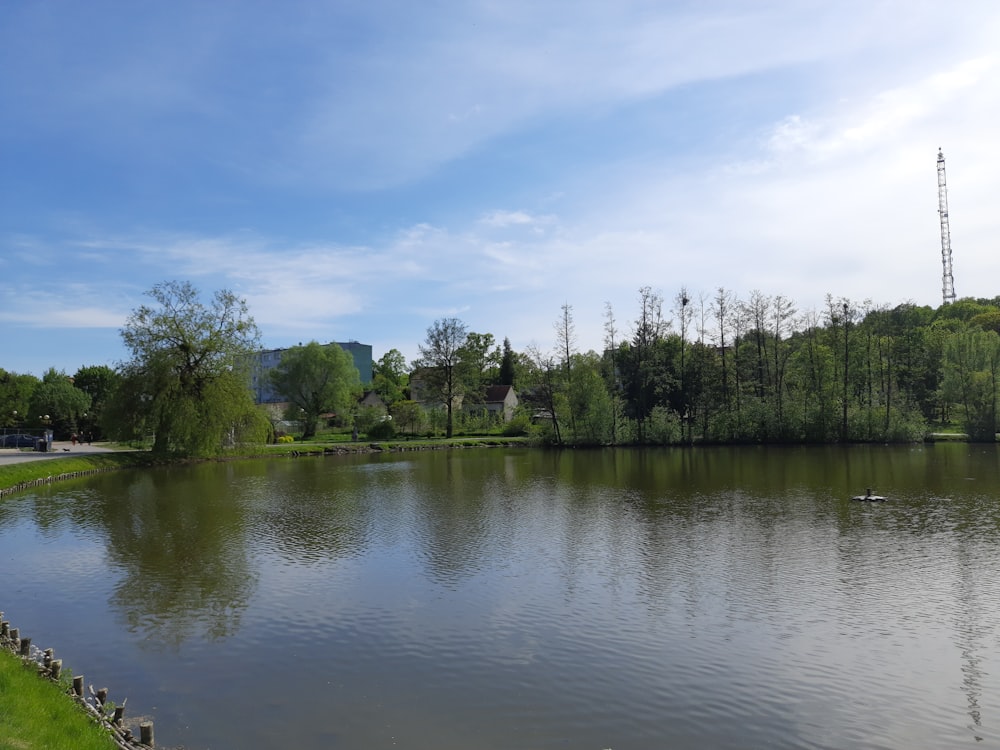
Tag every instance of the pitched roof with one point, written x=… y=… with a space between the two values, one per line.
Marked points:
x=496 y=393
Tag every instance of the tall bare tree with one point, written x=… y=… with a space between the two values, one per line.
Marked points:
x=440 y=358
x=611 y=347
x=566 y=343
x=722 y=311
x=684 y=313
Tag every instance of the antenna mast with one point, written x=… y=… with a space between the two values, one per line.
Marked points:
x=947 y=280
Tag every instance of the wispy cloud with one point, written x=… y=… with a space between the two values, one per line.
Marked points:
x=355 y=169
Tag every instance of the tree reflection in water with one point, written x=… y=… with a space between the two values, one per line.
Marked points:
x=180 y=546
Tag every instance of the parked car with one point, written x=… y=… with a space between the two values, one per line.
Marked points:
x=17 y=441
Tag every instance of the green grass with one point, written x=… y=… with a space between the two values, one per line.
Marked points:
x=36 y=714
x=317 y=447
x=12 y=475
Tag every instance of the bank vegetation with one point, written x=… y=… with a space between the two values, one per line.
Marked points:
x=704 y=369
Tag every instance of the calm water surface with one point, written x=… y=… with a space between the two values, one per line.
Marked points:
x=488 y=599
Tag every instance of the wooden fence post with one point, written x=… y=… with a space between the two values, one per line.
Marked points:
x=11 y=638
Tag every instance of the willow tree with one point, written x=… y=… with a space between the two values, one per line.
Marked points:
x=187 y=381
x=316 y=379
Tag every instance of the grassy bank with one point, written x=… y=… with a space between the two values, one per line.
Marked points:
x=36 y=712
x=316 y=447
x=15 y=475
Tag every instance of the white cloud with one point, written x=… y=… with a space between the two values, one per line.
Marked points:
x=502 y=219
x=531 y=62
x=817 y=177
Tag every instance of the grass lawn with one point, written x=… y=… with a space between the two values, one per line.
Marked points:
x=14 y=474
x=36 y=713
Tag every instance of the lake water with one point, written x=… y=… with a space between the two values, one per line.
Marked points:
x=519 y=599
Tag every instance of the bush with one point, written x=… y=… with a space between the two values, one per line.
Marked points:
x=286 y=439
x=382 y=430
x=663 y=427
x=367 y=417
x=520 y=424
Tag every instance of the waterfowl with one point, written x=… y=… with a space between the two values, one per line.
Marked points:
x=868 y=497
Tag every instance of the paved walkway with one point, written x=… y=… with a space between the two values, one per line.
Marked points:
x=60 y=448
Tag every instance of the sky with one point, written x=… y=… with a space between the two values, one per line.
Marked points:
x=358 y=170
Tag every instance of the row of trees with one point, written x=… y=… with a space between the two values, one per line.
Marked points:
x=716 y=369
x=65 y=404
x=724 y=369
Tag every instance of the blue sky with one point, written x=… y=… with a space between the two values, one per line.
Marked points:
x=357 y=170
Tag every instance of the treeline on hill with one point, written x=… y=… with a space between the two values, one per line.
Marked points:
x=719 y=369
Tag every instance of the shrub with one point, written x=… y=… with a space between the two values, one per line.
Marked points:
x=382 y=430
x=520 y=424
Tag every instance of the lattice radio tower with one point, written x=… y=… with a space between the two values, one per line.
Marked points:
x=947 y=280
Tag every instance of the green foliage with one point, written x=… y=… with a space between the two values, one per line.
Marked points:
x=285 y=439
x=381 y=430
x=964 y=310
x=187 y=380
x=543 y=380
x=390 y=377
x=367 y=417
x=98 y=382
x=988 y=321
x=15 y=398
x=59 y=404
x=507 y=374
x=13 y=474
x=437 y=421
x=479 y=362
x=972 y=379
x=751 y=370
x=439 y=366
x=36 y=712
x=664 y=427
x=316 y=379
x=589 y=402
x=520 y=424
x=408 y=416
x=477 y=421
